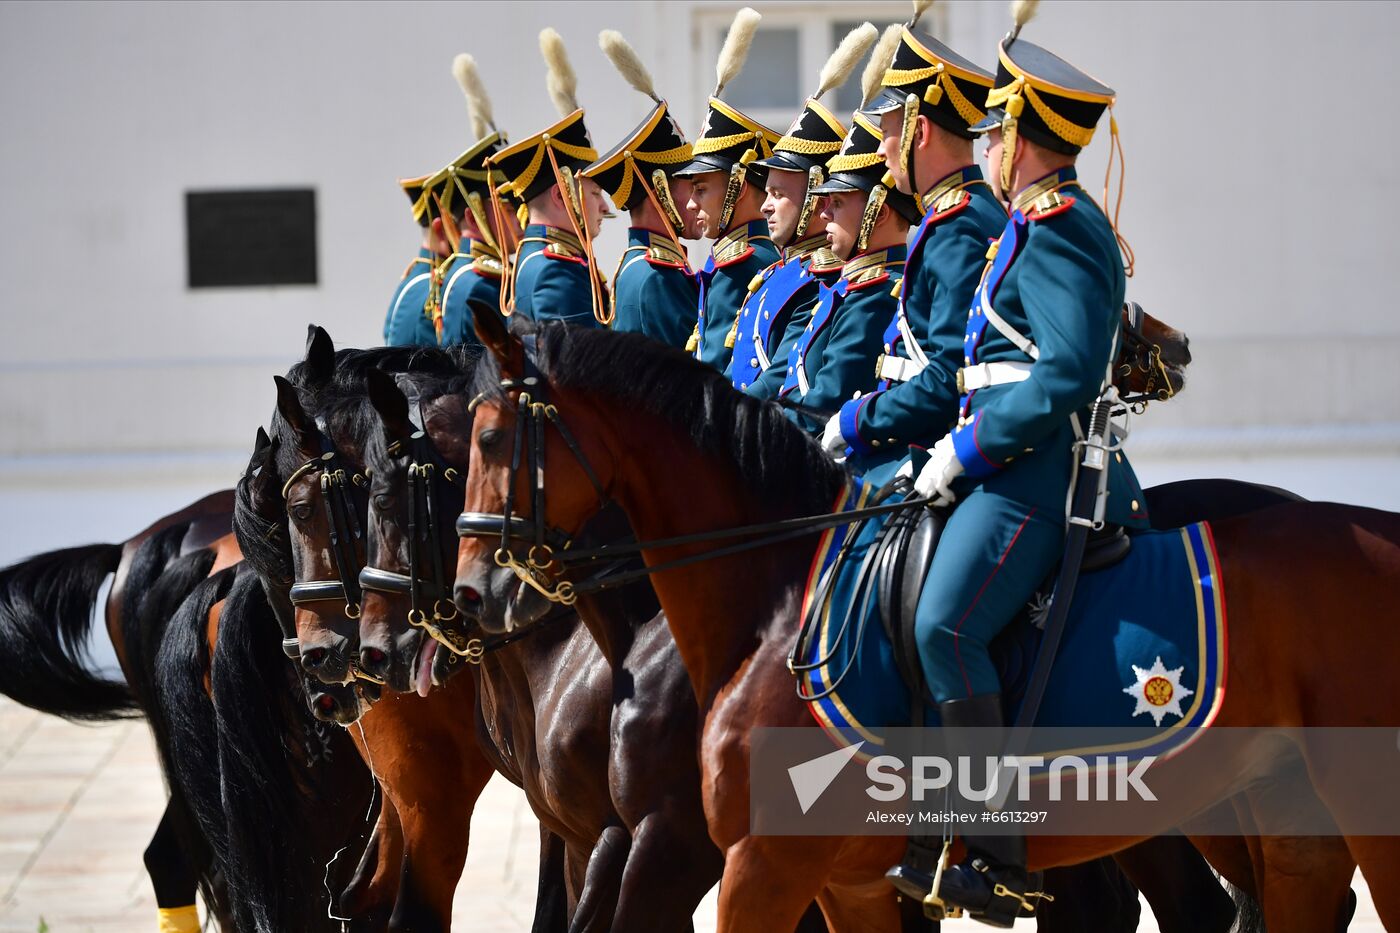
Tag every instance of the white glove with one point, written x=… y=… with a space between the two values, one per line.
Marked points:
x=833 y=441
x=936 y=478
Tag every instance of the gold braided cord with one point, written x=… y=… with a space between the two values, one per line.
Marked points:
x=898 y=77
x=666 y=157
x=708 y=144
x=806 y=146
x=522 y=182
x=892 y=78
x=849 y=163
x=624 y=188
x=965 y=108
x=1070 y=132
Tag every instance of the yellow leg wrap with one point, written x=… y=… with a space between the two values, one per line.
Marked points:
x=179 y=920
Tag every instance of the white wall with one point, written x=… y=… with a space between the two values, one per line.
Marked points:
x=1258 y=144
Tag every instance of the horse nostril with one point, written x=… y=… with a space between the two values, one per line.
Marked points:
x=467 y=599
x=326 y=703
x=314 y=658
x=373 y=660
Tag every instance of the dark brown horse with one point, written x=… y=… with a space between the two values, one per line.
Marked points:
x=728 y=462
x=596 y=721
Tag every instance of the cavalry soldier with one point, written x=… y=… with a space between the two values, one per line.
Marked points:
x=867 y=222
x=414 y=310
x=653 y=289
x=931 y=97
x=781 y=298
x=550 y=275
x=727 y=197
x=472 y=274
x=1038 y=346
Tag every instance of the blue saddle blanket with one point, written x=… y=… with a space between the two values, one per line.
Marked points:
x=1143 y=647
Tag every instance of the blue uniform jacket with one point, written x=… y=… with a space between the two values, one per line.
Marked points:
x=408 y=323
x=834 y=359
x=551 y=277
x=946 y=256
x=736 y=259
x=654 y=290
x=472 y=277
x=1057 y=278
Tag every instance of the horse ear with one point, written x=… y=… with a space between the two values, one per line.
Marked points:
x=388 y=399
x=491 y=330
x=320 y=355
x=261 y=442
x=289 y=406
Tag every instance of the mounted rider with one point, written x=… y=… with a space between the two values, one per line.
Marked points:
x=867 y=222
x=727 y=196
x=931 y=98
x=414 y=311
x=653 y=287
x=472 y=274
x=550 y=275
x=781 y=299
x=1039 y=343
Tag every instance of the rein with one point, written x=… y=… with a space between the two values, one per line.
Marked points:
x=551 y=546
x=1147 y=356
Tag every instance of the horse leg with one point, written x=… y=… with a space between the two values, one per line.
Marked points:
x=768 y=882
x=1179 y=886
x=671 y=866
x=551 y=895
x=372 y=890
x=172 y=875
x=602 y=882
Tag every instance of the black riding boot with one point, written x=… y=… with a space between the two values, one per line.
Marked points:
x=990 y=884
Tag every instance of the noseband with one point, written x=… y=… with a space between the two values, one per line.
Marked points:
x=344 y=531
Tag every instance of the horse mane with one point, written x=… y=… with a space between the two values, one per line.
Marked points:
x=779 y=464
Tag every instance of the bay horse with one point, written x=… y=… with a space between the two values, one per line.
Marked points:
x=422 y=838
x=595 y=721
x=636 y=414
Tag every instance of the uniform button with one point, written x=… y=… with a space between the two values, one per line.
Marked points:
x=753 y=361
x=1118 y=457
x=967 y=361
x=789 y=370
x=1134 y=504
x=891 y=441
x=887 y=348
x=875 y=442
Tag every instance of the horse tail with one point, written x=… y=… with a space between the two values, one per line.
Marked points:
x=1249 y=916
x=278 y=767
x=46 y=613
x=182 y=715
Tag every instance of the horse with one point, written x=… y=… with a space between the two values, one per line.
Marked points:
x=595 y=721
x=635 y=414
x=306 y=549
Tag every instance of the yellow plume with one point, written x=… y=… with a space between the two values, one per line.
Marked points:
x=627 y=63
x=478 y=104
x=843 y=61
x=919 y=7
x=879 y=62
x=736 y=47
x=560 y=80
x=1022 y=11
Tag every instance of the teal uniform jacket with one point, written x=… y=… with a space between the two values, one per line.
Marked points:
x=774 y=317
x=946 y=255
x=735 y=261
x=1056 y=278
x=654 y=291
x=834 y=359
x=551 y=277
x=407 y=324
x=472 y=277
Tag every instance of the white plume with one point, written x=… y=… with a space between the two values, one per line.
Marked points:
x=1022 y=11
x=879 y=63
x=736 y=47
x=627 y=62
x=478 y=104
x=843 y=61
x=560 y=80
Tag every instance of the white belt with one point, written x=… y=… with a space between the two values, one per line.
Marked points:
x=897 y=368
x=984 y=375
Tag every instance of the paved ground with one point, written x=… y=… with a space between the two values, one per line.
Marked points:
x=78 y=804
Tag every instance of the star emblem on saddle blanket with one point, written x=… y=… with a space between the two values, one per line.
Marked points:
x=1158 y=691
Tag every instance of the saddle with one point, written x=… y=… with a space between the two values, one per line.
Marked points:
x=903 y=553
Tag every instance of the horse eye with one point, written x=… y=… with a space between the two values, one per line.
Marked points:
x=301 y=512
x=383 y=502
x=489 y=438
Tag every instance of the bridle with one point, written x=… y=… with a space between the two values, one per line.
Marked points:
x=424 y=469
x=549 y=546
x=1146 y=356
x=344 y=529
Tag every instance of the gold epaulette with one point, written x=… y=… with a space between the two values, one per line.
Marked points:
x=807 y=248
x=661 y=249
x=488 y=265
x=693 y=344
x=731 y=246
x=1047 y=205
x=824 y=260
x=559 y=242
